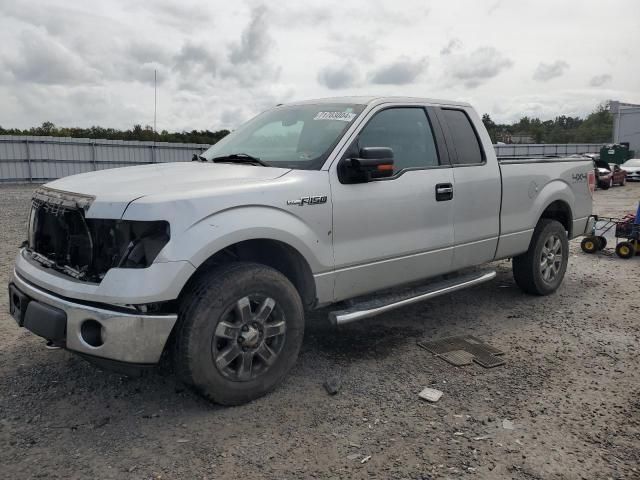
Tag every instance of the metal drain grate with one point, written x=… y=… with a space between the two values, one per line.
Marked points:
x=464 y=349
x=457 y=357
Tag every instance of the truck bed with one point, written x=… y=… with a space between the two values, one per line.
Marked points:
x=528 y=183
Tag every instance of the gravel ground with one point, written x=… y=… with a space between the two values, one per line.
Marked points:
x=570 y=387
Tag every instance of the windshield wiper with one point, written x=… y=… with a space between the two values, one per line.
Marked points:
x=239 y=158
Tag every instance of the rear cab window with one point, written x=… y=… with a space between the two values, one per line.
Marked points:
x=465 y=147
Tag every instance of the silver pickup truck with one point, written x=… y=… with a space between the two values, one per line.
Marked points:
x=214 y=262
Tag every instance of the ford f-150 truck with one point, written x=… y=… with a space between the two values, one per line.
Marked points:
x=332 y=202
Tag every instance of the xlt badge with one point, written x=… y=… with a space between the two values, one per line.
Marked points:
x=311 y=200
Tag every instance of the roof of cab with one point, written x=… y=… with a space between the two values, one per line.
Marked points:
x=372 y=100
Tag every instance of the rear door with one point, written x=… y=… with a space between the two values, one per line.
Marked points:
x=477 y=190
x=398 y=229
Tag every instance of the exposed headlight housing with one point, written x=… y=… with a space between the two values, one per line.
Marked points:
x=61 y=238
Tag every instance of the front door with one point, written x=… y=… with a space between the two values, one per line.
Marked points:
x=398 y=229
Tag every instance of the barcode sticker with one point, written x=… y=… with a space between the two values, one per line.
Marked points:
x=342 y=116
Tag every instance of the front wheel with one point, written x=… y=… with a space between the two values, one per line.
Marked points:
x=240 y=331
x=590 y=244
x=541 y=269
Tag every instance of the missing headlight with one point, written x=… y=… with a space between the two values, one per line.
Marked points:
x=85 y=249
x=126 y=243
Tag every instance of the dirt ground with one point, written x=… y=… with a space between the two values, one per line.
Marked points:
x=570 y=387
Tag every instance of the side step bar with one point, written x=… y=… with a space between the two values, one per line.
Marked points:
x=390 y=301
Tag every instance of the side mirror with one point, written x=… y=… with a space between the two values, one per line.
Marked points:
x=372 y=163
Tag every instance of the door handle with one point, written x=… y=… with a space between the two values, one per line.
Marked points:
x=444 y=191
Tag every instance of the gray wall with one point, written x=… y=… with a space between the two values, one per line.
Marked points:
x=626 y=124
x=38 y=159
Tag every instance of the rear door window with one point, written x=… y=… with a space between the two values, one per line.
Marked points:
x=466 y=143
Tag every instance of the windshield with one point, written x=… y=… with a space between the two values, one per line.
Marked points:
x=632 y=163
x=295 y=136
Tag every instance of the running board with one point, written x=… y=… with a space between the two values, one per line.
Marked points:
x=390 y=301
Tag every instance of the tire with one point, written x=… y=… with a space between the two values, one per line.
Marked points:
x=590 y=244
x=602 y=243
x=605 y=186
x=259 y=351
x=625 y=250
x=530 y=273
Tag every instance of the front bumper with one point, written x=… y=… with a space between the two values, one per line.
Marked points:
x=115 y=335
x=159 y=282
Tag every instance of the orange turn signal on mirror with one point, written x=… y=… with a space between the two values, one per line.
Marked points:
x=385 y=168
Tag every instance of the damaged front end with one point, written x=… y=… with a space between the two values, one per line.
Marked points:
x=62 y=238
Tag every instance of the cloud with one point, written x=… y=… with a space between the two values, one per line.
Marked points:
x=338 y=76
x=300 y=15
x=195 y=59
x=40 y=59
x=546 y=71
x=248 y=61
x=75 y=62
x=477 y=67
x=454 y=44
x=255 y=40
x=494 y=6
x=600 y=80
x=363 y=48
x=147 y=52
x=400 y=72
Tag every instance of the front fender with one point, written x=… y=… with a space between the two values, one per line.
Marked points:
x=227 y=227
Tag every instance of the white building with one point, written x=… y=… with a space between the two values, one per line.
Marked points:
x=626 y=124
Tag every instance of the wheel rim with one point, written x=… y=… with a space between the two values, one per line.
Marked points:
x=624 y=250
x=249 y=338
x=551 y=258
x=589 y=245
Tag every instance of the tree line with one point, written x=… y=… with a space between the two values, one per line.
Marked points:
x=138 y=132
x=597 y=127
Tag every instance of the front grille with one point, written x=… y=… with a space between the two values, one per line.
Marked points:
x=59 y=236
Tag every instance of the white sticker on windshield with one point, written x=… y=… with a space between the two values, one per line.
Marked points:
x=342 y=116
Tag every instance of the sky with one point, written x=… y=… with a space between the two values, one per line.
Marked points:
x=83 y=63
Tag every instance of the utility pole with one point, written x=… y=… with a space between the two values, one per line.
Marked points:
x=155 y=101
x=155 y=115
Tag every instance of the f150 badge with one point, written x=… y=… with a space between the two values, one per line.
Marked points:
x=311 y=200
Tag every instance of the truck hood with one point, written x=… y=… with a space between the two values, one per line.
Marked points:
x=115 y=188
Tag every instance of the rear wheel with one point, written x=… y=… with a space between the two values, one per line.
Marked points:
x=625 y=250
x=240 y=331
x=602 y=243
x=541 y=269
